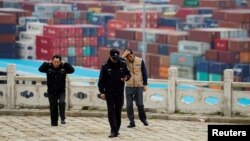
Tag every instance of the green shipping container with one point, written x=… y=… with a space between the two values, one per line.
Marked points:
x=202 y=76
x=71 y=51
x=86 y=51
x=215 y=77
x=191 y=3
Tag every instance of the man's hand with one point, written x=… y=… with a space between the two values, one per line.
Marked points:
x=103 y=97
x=125 y=53
x=145 y=88
x=124 y=78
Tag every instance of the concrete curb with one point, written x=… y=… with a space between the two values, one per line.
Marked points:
x=100 y=114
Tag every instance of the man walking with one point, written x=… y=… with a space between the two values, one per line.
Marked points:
x=56 y=72
x=111 y=86
x=135 y=87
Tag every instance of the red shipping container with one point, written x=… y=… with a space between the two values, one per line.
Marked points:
x=64 y=42
x=219 y=15
x=71 y=32
x=79 y=42
x=133 y=45
x=138 y=36
x=71 y=42
x=212 y=55
x=116 y=24
x=50 y=42
x=30 y=6
x=79 y=61
x=56 y=31
x=45 y=52
x=61 y=15
x=172 y=49
x=93 y=41
x=229 y=57
x=239 y=45
x=229 y=24
x=79 y=51
x=217 y=3
x=78 y=32
x=182 y=13
x=152 y=48
x=86 y=41
x=204 y=35
x=90 y=62
x=125 y=34
x=161 y=38
x=221 y=44
x=8 y=18
x=177 y=2
x=238 y=15
x=175 y=36
x=63 y=51
x=100 y=31
x=7 y=38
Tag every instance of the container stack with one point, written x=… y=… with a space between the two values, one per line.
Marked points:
x=7 y=35
x=201 y=38
x=77 y=44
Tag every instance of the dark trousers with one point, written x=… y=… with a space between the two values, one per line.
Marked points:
x=135 y=94
x=114 y=105
x=53 y=104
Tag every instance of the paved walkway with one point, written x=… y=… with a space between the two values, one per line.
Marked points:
x=34 y=125
x=37 y=128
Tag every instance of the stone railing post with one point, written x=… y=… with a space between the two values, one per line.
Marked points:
x=11 y=73
x=172 y=75
x=227 y=97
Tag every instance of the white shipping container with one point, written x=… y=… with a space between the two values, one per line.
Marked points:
x=28 y=36
x=35 y=27
x=52 y=7
x=194 y=19
x=193 y=47
x=185 y=72
x=25 y=20
x=26 y=50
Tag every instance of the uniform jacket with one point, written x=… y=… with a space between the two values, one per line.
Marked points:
x=110 y=76
x=56 y=76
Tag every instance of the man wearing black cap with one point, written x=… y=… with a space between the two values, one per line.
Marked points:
x=111 y=86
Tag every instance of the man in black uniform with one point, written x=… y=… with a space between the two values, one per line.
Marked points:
x=111 y=86
x=56 y=72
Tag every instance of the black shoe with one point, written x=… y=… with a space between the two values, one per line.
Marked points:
x=54 y=124
x=131 y=126
x=63 y=122
x=145 y=122
x=112 y=135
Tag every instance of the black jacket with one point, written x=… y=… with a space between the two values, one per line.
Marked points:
x=56 y=76
x=110 y=76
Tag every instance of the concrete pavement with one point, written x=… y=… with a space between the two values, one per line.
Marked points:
x=34 y=125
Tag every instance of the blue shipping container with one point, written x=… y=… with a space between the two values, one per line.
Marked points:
x=184 y=59
x=163 y=49
x=7 y=29
x=89 y=31
x=183 y=26
x=202 y=66
x=241 y=70
x=168 y=22
x=72 y=60
x=102 y=41
x=217 y=67
x=101 y=19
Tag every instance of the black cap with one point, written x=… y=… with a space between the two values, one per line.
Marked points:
x=114 y=53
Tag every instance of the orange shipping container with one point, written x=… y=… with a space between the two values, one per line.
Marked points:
x=163 y=72
x=245 y=57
